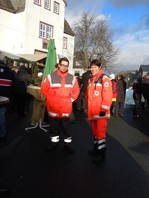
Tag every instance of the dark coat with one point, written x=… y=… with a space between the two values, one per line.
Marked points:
x=121 y=90
x=85 y=78
x=137 y=91
x=21 y=80
x=145 y=88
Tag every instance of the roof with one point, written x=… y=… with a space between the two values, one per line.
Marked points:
x=126 y=73
x=13 y=6
x=65 y=2
x=67 y=29
x=144 y=67
x=6 y=5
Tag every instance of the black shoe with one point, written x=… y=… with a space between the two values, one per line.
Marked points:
x=52 y=147
x=69 y=149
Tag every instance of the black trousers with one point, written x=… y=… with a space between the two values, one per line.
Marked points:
x=20 y=102
x=60 y=126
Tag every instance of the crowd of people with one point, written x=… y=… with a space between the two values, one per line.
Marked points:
x=13 y=92
x=97 y=95
x=140 y=95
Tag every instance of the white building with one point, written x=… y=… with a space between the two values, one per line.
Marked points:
x=26 y=26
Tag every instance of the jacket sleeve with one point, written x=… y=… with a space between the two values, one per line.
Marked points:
x=45 y=86
x=106 y=94
x=75 y=90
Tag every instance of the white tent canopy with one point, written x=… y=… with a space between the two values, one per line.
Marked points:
x=33 y=57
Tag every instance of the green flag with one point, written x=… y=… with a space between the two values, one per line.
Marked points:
x=50 y=60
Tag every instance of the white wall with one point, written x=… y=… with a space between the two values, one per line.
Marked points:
x=69 y=52
x=19 y=33
x=11 y=31
x=35 y=14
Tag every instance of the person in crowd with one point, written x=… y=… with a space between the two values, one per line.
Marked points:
x=21 y=80
x=114 y=90
x=84 y=84
x=137 y=95
x=99 y=99
x=120 y=100
x=78 y=101
x=6 y=79
x=145 y=90
x=60 y=89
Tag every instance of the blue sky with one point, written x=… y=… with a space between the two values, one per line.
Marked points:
x=129 y=21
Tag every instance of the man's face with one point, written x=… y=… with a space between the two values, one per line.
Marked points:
x=94 y=69
x=63 y=67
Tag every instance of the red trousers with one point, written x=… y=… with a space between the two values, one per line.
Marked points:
x=99 y=128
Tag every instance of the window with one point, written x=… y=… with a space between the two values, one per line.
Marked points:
x=42 y=30
x=49 y=32
x=37 y=2
x=47 y=4
x=64 y=43
x=46 y=31
x=45 y=44
x=56 y=7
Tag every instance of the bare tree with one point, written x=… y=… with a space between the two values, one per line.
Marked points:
x=93 y=40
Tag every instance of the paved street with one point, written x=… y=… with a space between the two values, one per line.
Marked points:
x=29 y=170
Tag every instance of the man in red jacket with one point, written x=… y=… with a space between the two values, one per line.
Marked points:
x=60 y=89
x=99 y=99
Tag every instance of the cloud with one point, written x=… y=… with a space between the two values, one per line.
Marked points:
x=75 y=8
x=77 y=4
x=128 y=3
x=145 y=21
x=131 y=38
x=133 y=50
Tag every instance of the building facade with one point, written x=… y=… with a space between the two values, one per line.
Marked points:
x=26 y=26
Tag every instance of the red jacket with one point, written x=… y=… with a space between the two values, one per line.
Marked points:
x=99 y=96
x=60 y=90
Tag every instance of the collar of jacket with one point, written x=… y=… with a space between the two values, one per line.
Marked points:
x=98 y=74
x=61 y=73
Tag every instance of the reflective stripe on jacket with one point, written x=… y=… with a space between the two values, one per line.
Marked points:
x=60 y=90
x=99 y=96
x=6 y=78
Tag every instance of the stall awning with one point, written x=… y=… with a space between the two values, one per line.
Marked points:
x=33 y=57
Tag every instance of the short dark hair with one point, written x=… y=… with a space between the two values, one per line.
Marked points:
x=63 y=59
x=95 y=62
x=121 y=76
